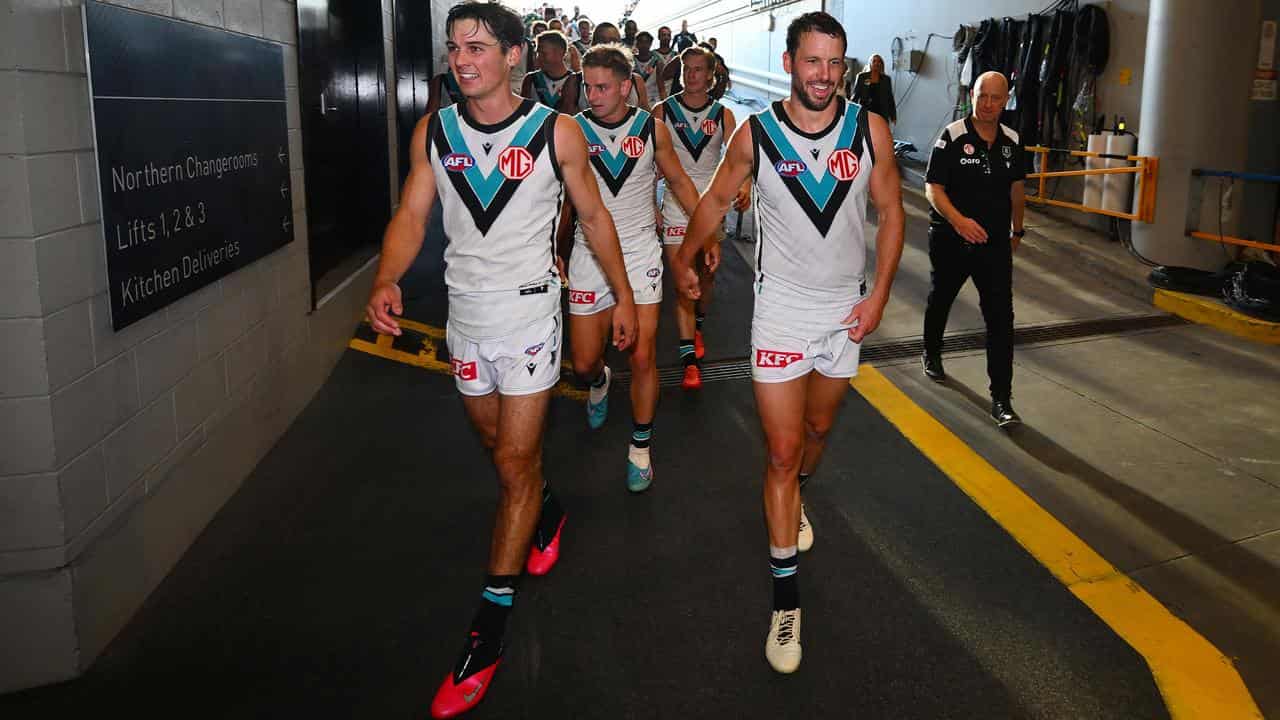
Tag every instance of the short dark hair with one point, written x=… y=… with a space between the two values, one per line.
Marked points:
x=595 y=32
x=665 y=27
x=553 y=37
x=613 y=56
x=644 y=34
x=814 y=22
x=501 y=22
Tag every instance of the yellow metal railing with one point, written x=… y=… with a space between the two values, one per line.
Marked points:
x=1145 y=170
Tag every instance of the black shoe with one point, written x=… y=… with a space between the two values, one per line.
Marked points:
x=1003 y=413
x=933 y=367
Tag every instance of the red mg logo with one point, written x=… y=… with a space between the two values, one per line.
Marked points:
x=843 y=164
x=515 y=163
x=709 y=126
x=632 y=146
x=457 y=162
x=464 y=370
x=582 y=297
x=776 y=359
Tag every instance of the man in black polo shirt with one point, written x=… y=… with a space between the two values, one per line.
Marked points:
x=974 y=186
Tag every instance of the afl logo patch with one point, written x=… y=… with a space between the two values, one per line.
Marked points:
x=968 y=149
x=789 y=168
x=653 y=272
x=680 y=125
x=709 y=127
x=515 y=163
x=595 y=148
x=843 y=164
x=632 y=146
x=457 y=162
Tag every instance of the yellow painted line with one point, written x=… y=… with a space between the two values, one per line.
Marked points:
x=1195 y=678
x=426 y=358
x=1207 y=311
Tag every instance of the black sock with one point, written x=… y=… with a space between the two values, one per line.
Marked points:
x=804 y=479
x=599 y=379
x=784 y=564
x=641 y=434
x=698 y=316
x=495 y=605
x=549 y=520
x=687 y=356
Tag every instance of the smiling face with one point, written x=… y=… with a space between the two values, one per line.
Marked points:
x=990 y=94
x=815 y=69
x=477 y=60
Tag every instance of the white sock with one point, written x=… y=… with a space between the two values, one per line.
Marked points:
x=597 y=393
x=639 y=457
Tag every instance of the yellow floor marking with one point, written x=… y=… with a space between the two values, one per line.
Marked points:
x=426 y=357
x=1214 y=313
x=1195 y=678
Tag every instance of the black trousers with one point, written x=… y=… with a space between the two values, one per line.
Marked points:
x=991 y=266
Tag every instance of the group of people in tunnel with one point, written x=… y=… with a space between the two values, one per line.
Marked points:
x=549 y=187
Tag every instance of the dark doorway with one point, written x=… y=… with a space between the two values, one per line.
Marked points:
x=343 y=96
x=415 y=64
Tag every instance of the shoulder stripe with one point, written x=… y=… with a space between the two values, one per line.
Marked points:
x=955 y=129
x=1009 y=131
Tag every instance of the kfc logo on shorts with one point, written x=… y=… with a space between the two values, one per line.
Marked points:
x=632 y=146
x=457 y=162
x=675 y=231
x=515 y=163
x=709 y=126
x=465 y=371
x=789 y=168
x=968 y=149
x=595 y=148
x=582 y=297
x=843 y=164
x=776 y=358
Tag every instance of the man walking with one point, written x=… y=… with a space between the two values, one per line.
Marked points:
x=976 y=198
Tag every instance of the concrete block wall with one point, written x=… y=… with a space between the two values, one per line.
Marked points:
x=117 y=448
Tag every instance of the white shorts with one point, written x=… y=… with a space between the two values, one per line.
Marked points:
x=522 y=363
x=786 y=344
x=675 y=221
x=589 y=290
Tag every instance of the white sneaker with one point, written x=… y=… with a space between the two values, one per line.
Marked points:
x=806 y=532
x=782 y=648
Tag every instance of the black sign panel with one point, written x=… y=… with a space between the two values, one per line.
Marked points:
x=193 y=163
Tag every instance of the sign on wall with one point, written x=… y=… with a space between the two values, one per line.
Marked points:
x=192 y=144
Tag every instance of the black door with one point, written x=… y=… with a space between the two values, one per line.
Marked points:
x=343 y=96
x=415 y=65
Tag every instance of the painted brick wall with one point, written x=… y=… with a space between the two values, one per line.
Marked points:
x=116 y=449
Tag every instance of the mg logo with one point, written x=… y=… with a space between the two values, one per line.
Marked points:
x=632 y=146
x=709 y=126
x=464 y=370
x=595 y=148
x=457 y=162
x=776 y=358
x=789 y=168
x=515 y=163
x=843 y=164
x=582 y=297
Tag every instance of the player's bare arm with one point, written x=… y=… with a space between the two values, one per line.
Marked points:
x=404 y=235
x=597 y=224
x=734 y=170
x=886 y=194
x=743 y=201
x=678 y=181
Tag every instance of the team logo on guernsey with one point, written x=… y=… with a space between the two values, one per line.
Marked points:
x=457 y=162
x=776 y=358
x=968 y=149
x=843 y=164
x=613 y=168
x=582 y=297
x=819 y=198
x=465 y=371
x=633 y=146
x=1007 y=151
x=694 y=136
x=790 y=168
x=486 y=194
x=595 y=148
